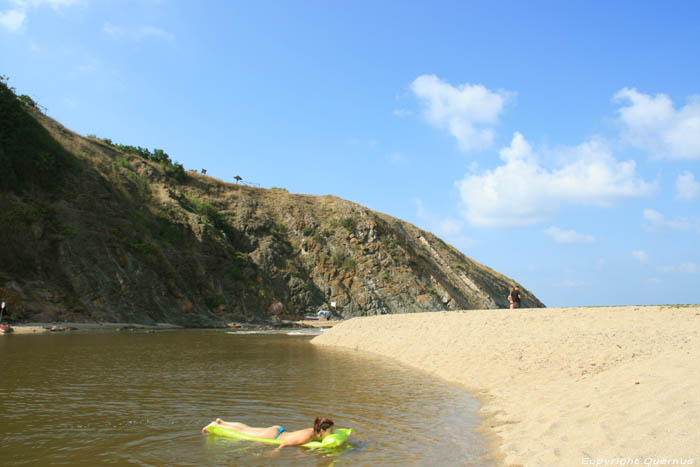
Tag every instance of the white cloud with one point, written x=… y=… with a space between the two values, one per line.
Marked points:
x=55 y=4
x=462 y=242
x=642 y=256
x=402 y=113
x=448 y=228
x=687 y=188
x=12 y=20
x=568 y=236
x=371 y=143
x=685 y=268
x=657 y=221
x=397 y=158
x=653 y=124
x=523 y=192
x=112 y=30
x=144 y=32
x=89 y=65
x=467 y=111
x=158 y=33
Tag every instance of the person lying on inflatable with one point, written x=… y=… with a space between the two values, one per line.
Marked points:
x=321 y=435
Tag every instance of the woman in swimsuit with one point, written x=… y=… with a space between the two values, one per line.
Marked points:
x=322 y=428
x=510 y=298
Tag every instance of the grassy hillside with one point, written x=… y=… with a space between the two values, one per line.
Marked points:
x=97 y=231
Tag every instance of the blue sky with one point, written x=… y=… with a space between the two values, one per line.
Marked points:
x=555 y=142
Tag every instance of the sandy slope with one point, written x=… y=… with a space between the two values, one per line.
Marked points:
x=559 y=387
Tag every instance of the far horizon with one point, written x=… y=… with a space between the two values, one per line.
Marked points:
x=557 y=144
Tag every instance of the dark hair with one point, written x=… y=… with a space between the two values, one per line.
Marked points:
x=321 y=424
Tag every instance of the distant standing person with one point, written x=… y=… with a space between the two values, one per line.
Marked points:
x=510 y=297
x=515 y=297
x=4 y=327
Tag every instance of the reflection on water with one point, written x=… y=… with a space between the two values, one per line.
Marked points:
x=141 y=398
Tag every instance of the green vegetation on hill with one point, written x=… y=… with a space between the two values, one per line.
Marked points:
x=172 y=169
x=28 y=153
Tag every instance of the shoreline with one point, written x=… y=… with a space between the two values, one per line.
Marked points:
x=43 y=328
x=559 y=386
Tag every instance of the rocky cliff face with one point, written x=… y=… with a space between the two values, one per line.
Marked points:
x=115 y=237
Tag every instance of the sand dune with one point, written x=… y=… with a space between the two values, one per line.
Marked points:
x=559 y=387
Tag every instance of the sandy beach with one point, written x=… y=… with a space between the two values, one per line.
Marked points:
x=560 y=387
x=311 y=323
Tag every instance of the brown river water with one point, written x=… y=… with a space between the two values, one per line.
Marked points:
x=141 y=398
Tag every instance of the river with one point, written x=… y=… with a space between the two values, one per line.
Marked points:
x=141 y=398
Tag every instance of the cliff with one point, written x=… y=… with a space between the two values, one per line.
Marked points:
x=93 y=233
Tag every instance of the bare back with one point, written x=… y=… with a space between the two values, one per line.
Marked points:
x=294 y=438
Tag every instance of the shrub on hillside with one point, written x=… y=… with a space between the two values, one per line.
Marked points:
x=176 y=171
x=349 y=223
x=172 y=169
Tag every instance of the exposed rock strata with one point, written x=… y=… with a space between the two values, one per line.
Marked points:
x=121 y=241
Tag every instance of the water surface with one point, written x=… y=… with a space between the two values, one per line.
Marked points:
x=141 y=398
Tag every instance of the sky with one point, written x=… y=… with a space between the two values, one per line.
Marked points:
x=555 y=142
